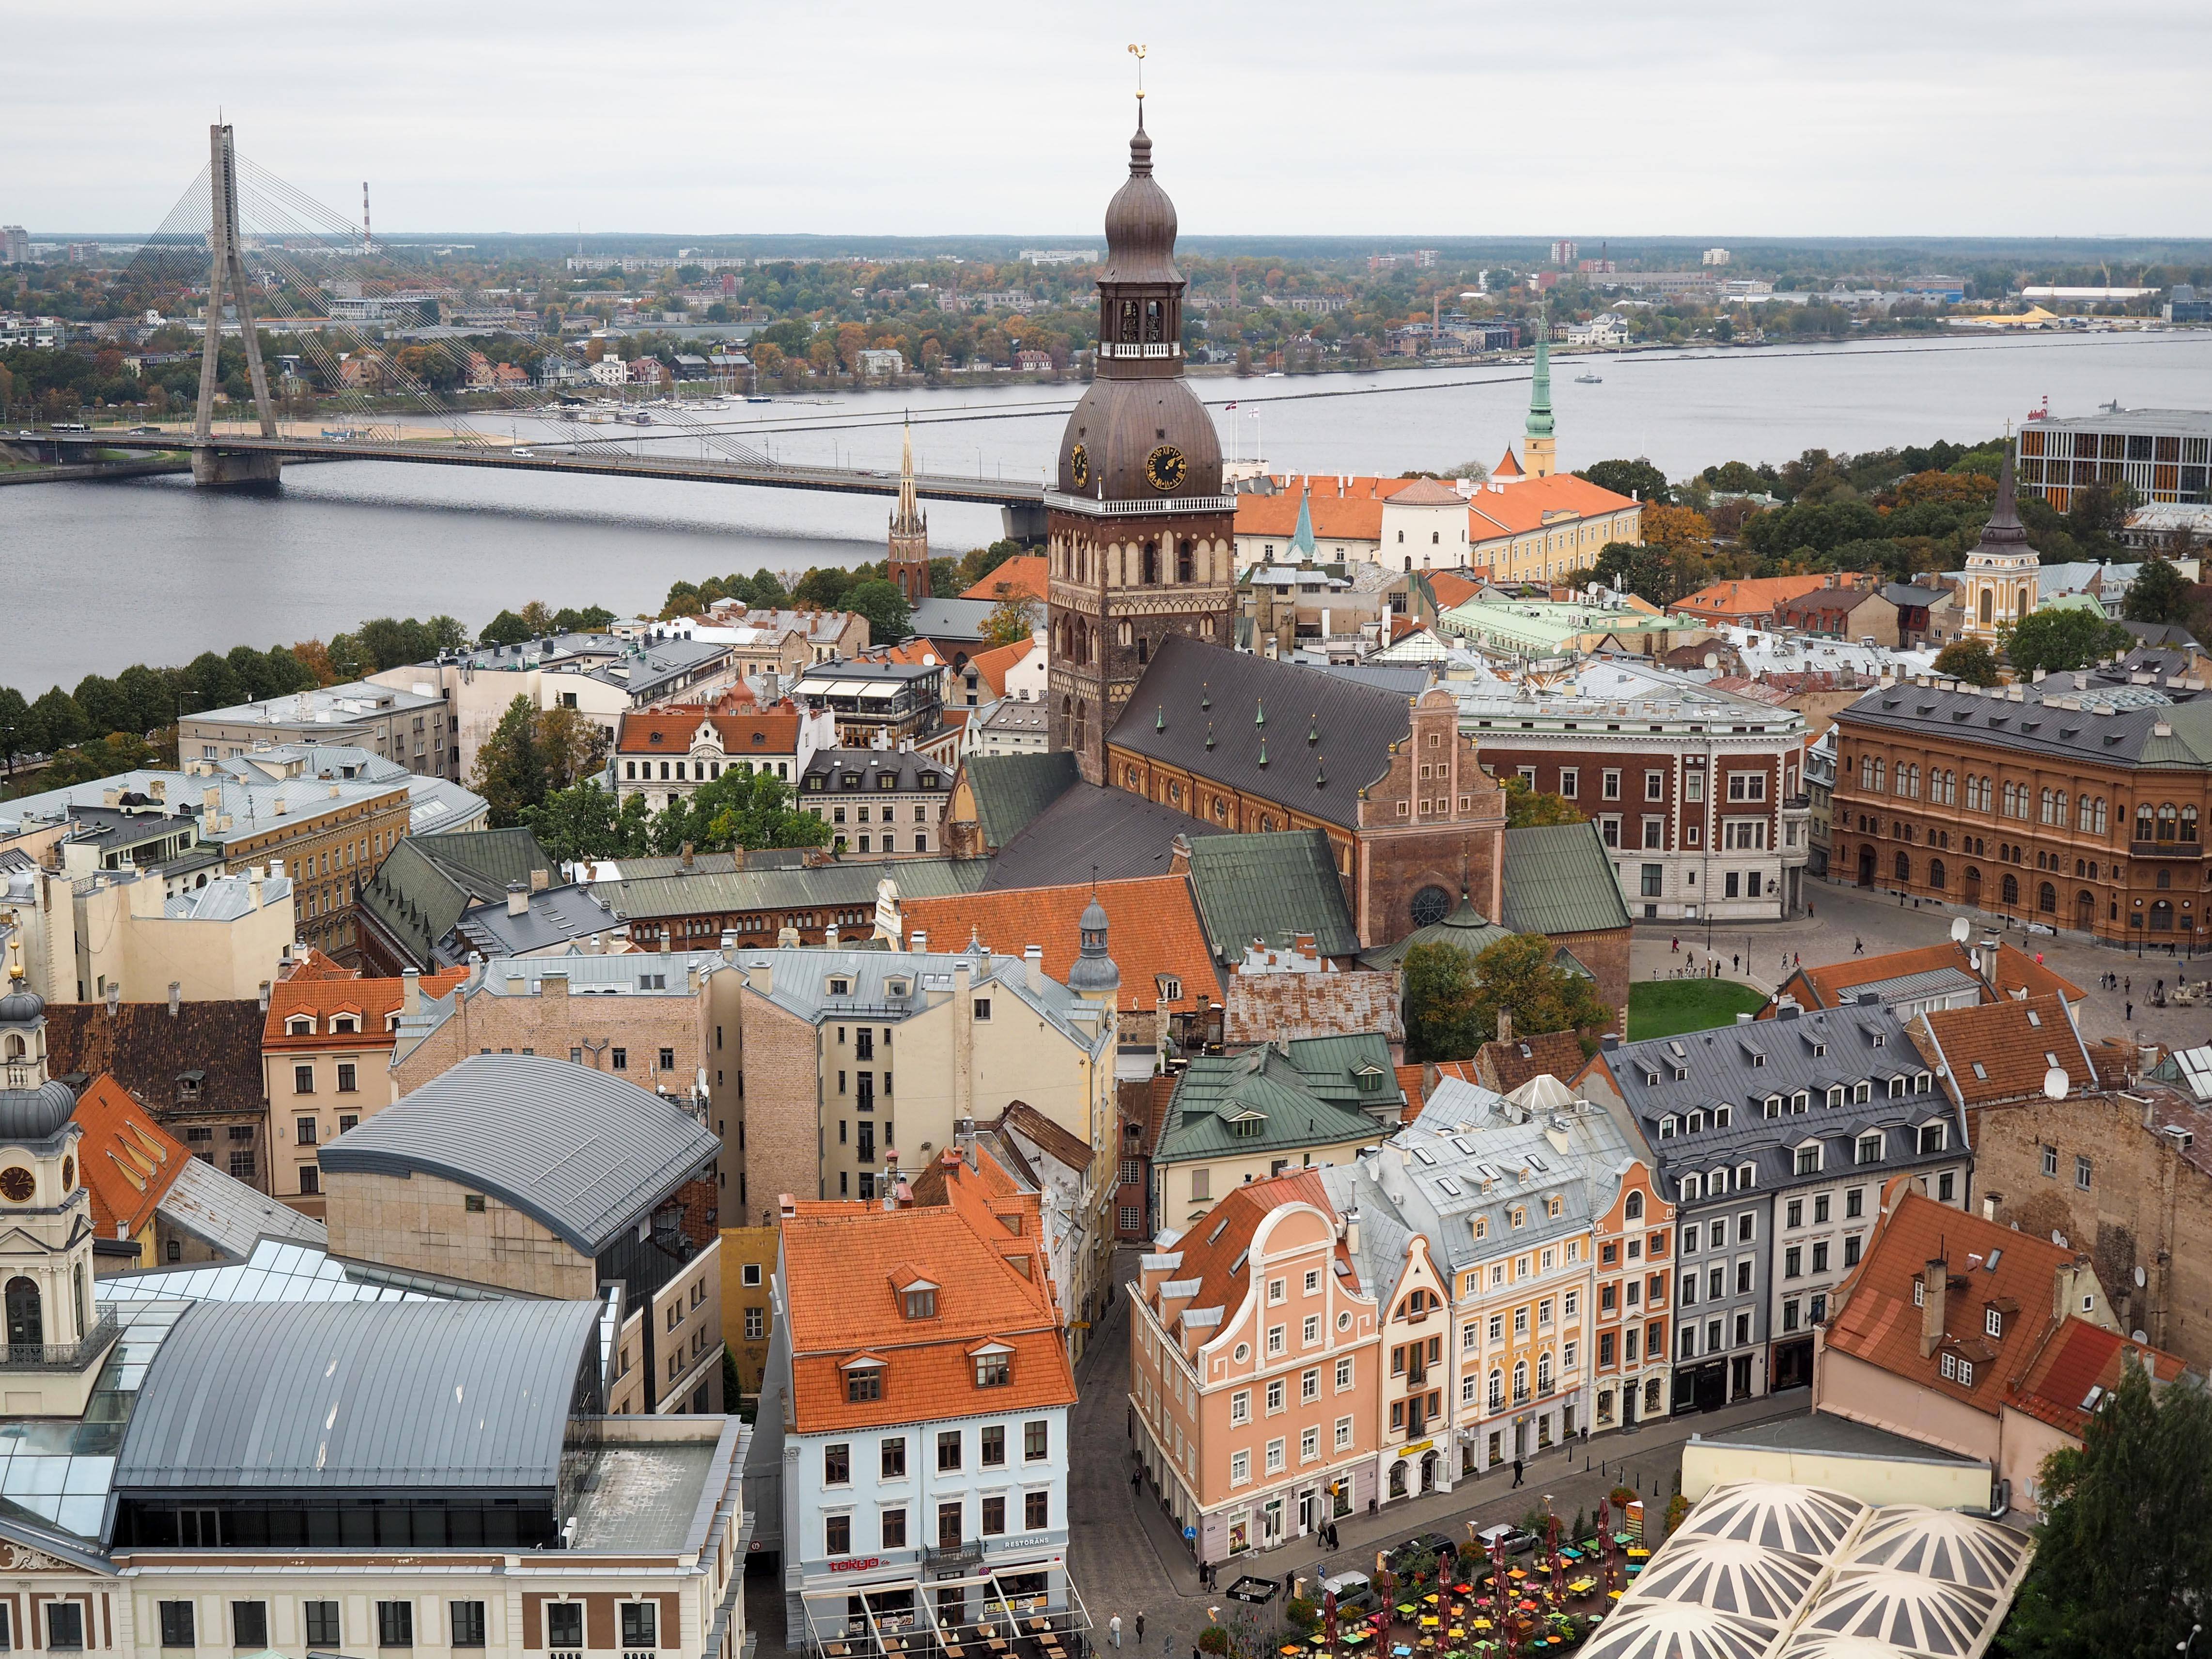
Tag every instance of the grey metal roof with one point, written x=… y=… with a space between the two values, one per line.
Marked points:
x=1935 y=982
x=229 y=1216
x=859 y=771
x=800 y=981
x=380 y=1395
x=586 y=1153
x=426 y=882
x=227 y=898
x=950 y=619
x=1739 y=1067
x=555 y=917
x=1558 y=880
x=1168 y=718
x=817 y=886
x=1120 y=834
x=2174 y=730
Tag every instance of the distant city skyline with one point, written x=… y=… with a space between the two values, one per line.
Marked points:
x=1413 y=118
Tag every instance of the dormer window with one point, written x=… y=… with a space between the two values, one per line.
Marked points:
x=864 y=1382
x=1247 y=1128
x=1692 y=1188
x=1835 y=1094
x=1667 y=1127
x=1774 y=1106
x=1993 y=1323
x=1696 y=1121
x=919 y=1302
x=654 y=740
x=1519 y=1216
x=300 y=1025
x=1800 y=1101
x=994 y=1368
x=1482 y=1227
x=841 y=987
x=346 y=1023
x=1723 y=1116
x=898 y=987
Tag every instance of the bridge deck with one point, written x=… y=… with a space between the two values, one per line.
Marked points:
x=848 y=481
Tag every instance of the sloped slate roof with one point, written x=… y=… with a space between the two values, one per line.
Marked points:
x=816 y=886
x=426 y=882
x=1216 y=1088
x=1167 y=719
x=1269 y=887
x=587 y=1154
x=1558 y=880
x=1010 y=790
x=1109 y=833
x=342 y=1394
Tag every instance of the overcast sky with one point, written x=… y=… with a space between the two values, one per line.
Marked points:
x=1704 y=118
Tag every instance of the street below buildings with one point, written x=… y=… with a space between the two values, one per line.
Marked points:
x=1129 y=1558
x=1845 y=919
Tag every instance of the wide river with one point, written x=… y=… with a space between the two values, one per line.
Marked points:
x=95 y=577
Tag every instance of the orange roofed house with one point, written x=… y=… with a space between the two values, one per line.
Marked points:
x=1973 y=1337
x=665 y=753
x=1253 y=1366
x=915 y=1414
x=1758 y=601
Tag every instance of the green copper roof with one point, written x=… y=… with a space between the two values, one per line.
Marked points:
x=1010 y=790
x=1540 y=389
x=1466 y=927
x=1270 y=887
x=1302 y=538
x=1259 y=1102
x=1559 y=880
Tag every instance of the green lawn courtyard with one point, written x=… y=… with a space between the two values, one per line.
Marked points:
x=1667 y=1007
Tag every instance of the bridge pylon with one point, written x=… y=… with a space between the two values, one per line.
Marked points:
x=227 y=275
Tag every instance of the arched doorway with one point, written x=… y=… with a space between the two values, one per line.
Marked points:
x=1973 y=886
x=1428 y=1472
x=2085 y=910
x=1866 y=866
x=1397 y=1487
x=27 y=1325
x=2161 y=916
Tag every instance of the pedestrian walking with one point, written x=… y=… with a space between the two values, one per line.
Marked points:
x=1137 y=1480
x=1290 y=1585
x=2130 y=1014
x=1140 y=1625
x=2129 y=985
x=1797 y=958
x=1858 y=946
x=1113 y=1627
x=1516 y=1471
x=1675 y=945
x=1808 y=909
x=1736 y=962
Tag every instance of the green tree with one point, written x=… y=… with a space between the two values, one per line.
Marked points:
x=61 y=722
x=2123 y=1564
x=1440 y=1020
x=104 y=706
x=583 y=822
x=118 y=751
x=1517 y=975
x=152 y=696
x=285 y=673
x=210 y=683
x=1970 y=660
x=825 y=586
x=884 y=607
x=2159 y=594
x=2098 y=512
x=739 y=809
x=1525 y=804
x=510 y=773
x=980 y=561
x=591 y=619
x=505 y=629
x=571 y=747
x=1012 y=619
x=2062 y=638
x=21 y=731
x=1638 y=478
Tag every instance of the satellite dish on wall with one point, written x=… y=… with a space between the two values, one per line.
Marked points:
x=2141 y=1279
x=2139 y=1336
x=1712 y=659
x=1960 y=930
x=2058 y=1238
x=2054 y=1083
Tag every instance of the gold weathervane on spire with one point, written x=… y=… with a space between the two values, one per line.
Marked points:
x=1137 y=52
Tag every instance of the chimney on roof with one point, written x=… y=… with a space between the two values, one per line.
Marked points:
x=410 y=991
x=683 y=855
x=1935 y=1285
x=1610 y=1042
x=890 y=1180
x=829 y=934
x=918 y=942
x=1352 y=1230
x=518 y=899
x=1505 y=1026
x=265 y=996
x=176 y=997
x=1179 y=856
x=540 y=880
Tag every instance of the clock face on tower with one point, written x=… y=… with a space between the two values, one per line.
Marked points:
x=1078 y=467
x=1164 y=468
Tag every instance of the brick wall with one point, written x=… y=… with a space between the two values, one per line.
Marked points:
x=424 y=1222
x=781 y=1109
x=1262 y=1007
x=1605 y=953
x=2147 y=1206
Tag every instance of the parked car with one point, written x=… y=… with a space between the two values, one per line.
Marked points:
x=1516 y=1542
x=1354 y=1591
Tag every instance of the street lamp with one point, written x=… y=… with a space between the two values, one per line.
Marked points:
x=2182 y=1647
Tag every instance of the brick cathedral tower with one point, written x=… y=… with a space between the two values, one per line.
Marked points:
x=907 y=564
x=1141 y=537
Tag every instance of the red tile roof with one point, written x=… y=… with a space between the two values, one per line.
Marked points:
x=1757 y=597
x=1505 y=1065
x=2077 y=1358
x=2004 y=1050
x=1025 y=572
x=1451 y=588
x=1152 y=929
x=371 y=998
x=1522 y=506
x=1877 y=1322
x=991 y=665
x=316 y=965
x=1215 y=1247
x=984 y=1251
x=668 y=730
x=2014 y=971
x=128 y=1161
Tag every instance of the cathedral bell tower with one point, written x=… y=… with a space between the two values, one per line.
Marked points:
x=1140 y=537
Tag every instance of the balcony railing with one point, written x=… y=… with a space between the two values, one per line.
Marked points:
x=2166 y=849
x=63 y=1357
x=966 y=1552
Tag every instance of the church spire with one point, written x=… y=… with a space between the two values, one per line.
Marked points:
x=1302 y=538
x=2004 y=529
x=1537 y=427
x=907 y=558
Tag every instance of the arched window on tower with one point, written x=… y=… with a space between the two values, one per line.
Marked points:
x=1151 y=322
x=1151 y=564
x=1183 y=558
x=1129 y=324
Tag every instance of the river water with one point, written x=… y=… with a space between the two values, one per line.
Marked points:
x=95 y=577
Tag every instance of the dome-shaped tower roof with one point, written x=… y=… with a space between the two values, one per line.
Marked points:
x=19 y=1005
x=36 y=1115
x=1140 y=222
x=1093 y=972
